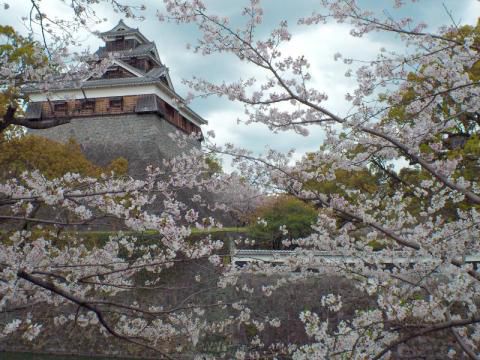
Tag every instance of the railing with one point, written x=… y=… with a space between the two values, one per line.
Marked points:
x=284 y=256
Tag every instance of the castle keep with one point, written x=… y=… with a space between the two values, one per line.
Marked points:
x=128 y=111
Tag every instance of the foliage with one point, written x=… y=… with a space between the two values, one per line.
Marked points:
x=342 y=182
x=214 y=164
x=456 y=142
x=51 y=158
x=19 y=53
x=281 y=218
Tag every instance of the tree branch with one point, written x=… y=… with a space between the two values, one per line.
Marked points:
x=437 y=327
x=85 y=304
x=10 y=119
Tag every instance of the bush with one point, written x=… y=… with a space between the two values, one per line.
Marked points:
x=51 y=158
x=294 y=214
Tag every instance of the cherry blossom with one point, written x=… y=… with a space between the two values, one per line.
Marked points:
x=419 y=283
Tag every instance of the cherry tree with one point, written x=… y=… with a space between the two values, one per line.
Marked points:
x=418 y=285
x=437 y=291
x=49 y=260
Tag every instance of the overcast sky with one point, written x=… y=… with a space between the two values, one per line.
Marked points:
x=318 y=43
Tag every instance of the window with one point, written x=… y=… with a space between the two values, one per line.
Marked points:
x=117 y=44
x=114 y=72
x=130 y=44
x=116 y=103
x=87 y=105
x=60 y=107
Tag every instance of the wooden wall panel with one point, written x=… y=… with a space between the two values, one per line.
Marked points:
x=102 y=108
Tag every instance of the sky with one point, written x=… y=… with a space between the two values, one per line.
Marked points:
x=317 y=43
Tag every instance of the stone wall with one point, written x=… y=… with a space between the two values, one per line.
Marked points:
x=142 y=139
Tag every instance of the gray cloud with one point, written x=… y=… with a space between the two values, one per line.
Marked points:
x=317 y=43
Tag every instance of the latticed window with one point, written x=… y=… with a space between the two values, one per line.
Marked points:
x=117 y=44
x=87 y=105
x=115 y=72
x=116 y=103
x=60 y=107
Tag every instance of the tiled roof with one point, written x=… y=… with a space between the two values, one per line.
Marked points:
x=118 y=81
x=154 y=75
x=120 y=24
x=157 y=72
x=121 y=29
x=65 y=85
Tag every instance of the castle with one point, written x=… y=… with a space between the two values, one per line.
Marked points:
x=128 y=111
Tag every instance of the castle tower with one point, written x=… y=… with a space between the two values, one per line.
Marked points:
x=129 y=111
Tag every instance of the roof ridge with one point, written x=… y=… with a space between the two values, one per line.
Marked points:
x=120 y=23
x=122 y=28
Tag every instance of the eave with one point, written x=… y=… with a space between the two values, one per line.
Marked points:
x=170 y=96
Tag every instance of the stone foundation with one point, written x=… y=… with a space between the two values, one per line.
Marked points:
x=142 y=139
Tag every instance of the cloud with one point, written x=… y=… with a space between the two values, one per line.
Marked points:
x=471 y=13
x=317 y=43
